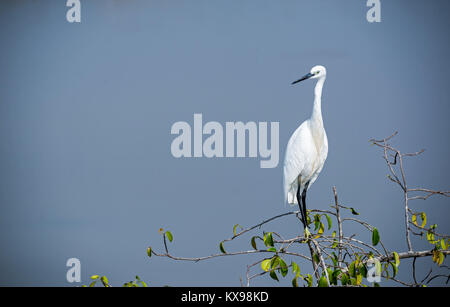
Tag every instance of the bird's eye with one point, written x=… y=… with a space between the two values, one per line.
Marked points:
x=317 y=72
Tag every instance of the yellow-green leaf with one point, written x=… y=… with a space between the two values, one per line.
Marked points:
x=435 y=255
x=441 y=258
x=169 y=236
x=265 y=265
x=397 y=259
x=358 y=279
x=235 y=227
x=423 y=216
x=351 y=269
x=309 y=279
x=414 y=219
x=330 y=223
x=323 y=282
x=443 y=245
x=104 y=280
x=295 y=269
x=394 y=269
x=321 y=228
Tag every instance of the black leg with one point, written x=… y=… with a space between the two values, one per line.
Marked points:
x=304 y=202
x=302 y=212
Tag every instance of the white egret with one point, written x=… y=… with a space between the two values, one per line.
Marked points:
x=307 y=149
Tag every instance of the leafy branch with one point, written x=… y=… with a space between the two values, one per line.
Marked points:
x=337 y=258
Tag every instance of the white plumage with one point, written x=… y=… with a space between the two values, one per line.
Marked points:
x=307 y=148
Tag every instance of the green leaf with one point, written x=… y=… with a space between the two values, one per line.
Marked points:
x=330 y=223
x=149 y=251
x=334 y=277
x=335 y=244
x=323 y=282
x=253 y=241
x=94 y=276
x=295 y=283
x=330 y=275
x=396 y=259
x=334 y=259
x=375 y=237
x=268 y=240
x=274 y=275
x=221 y=248
x=344 y=279
x=272 y=249
x=92 y=284
x=354 y=211
x=275 y=262
x=316 y=221
x=283 y=268
x=265 y=265
x=363 y=270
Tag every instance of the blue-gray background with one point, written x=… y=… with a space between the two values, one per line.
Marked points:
x=86 y=111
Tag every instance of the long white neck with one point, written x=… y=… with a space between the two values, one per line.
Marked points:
x=316 y=117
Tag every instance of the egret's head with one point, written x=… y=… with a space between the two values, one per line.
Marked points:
x=315 y=73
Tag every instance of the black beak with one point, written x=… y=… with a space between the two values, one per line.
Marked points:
x=305 y=77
